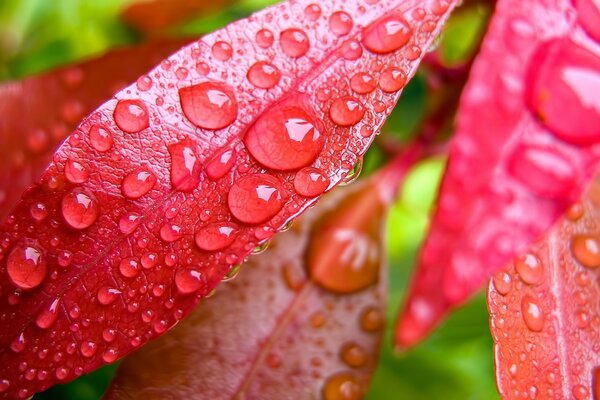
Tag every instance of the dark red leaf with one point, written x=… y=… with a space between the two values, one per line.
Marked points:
x=544 y=311
x=525 y=147
x=134 y=222
x=283 y=328
x=39 y=112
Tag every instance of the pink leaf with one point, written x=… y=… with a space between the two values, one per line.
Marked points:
x=125 y=218
x=544 y=312
x=525 y=146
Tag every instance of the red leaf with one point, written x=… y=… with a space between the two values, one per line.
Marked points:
x=525 y=146
x=283 y=329
x=544 y=311
x=39 y=112
x=108 y=241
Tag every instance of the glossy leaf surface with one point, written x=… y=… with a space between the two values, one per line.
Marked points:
x=544 y=311
x=165 y=188
x=526 y=144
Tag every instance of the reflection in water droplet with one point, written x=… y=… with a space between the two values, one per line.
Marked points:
x=75 y=172
x=353 y=174
x=38 y=211
x=131 y=116
x=80 y=210
x=254 y=199
x=47 y=317
x=209 y=105
x=232 y=274
x=387 y=35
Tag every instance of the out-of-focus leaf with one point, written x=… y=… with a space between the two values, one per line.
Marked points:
x=545 y=311
x=525 y=146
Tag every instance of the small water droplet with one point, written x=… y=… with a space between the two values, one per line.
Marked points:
x=171 y=232
x=209 y=105
x=530 y=268
x=351 y=50
x=188 y=281
x=263 y=75
x=129 y=223
x=532 y=314
x=222 y=51
x=342 y=386
x=220 y=164
x=26 y=266
x=264 y=38
x=310 y=182
x=129 y=267
x=107 y=295
x=131 y=116
x=586 y=250
x=4 y=385
x=294 y=42
x=216 y=236
x=75 y=172
x=392 y=80
x=254 y=199
x=387 y=34
x=232 y=273
x=580 y=392
x=286 y=138
x=144 y=83
x=80 y=210
x=312 y=12
x=340 y=23
x=353 y=174
x=110 y=355
x=346 y=111
x=149 y=260
x=502 y=282
x=109 y=335
x=582 y=319
x=88 y=348
x=185 y=166
x=47 y=317
x=137 y=183
x=18 y=345
x=353 y=355
x=372 y=320
x=362 y=83
x=38 y=211
x=100 y=138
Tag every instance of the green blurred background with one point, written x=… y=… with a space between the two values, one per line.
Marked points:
x=456 y=362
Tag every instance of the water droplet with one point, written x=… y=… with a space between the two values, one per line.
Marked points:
x=107 y=295
x=4 y=385
x=580 y=392
x=340 y=23
x=566 y=73
x=312 y=12
x=582 y=319
x=294 y=42
x=544 y=171
x=342 y=386
x=261 y=248
x=387 y=35
x=75 y=172
x=353 y=174
x=131 y=116
x=255 y=199
x=263 y=75
x=222 y=51
x=171 y=232
x=216 y=236
x=220 y=164
x=286 y=138
x=264 y=38
x=100 y=138
x=586 y=250
x=110 y=355
x=351 y=50
x=38 y=211
x=362 y=83
x=209 y=105
x=232 y=273
x=310 y=182
x=88 y=349
x=129 y=267
x=18 y=345
x=26 y=266
x=47 y=317
x=502 y=282
x=346 y=111
x=149 y=260
x=188 y=281
x=109 y=335
x=372 y=320
x=532 y=314
x=530 y=269
x=137 y=183
x=353 y=355
x=185 y=166
x=392 y=80
x=80 y=210
x=144 y=83
x=129 y=223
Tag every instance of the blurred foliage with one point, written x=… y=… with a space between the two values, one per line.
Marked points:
x=456 y=362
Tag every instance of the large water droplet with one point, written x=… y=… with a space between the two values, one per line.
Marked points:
x=131 y=116
x=340 y=23
x=586 y=250
x=188 y=281
x=185 y=167
x=346 y=111
x=255 y=199
x=220 y=164
x=310 y=182
x=216 y=236
x=80 y=210
x=286 y=138
x=100 y=138
x=75 y=172
x=47 y=317
x=263 y=75
x=342 y=386
x=544 y=171
x=562 y=72
x=294 y=42
x=530 y=268
x=532 y=314
x=138 y=183
x=209 y=105
x=386 y=35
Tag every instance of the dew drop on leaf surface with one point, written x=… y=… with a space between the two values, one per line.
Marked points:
x=209 y=105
